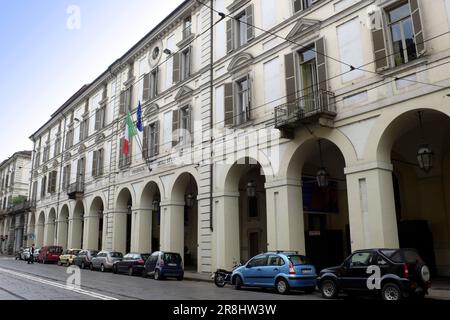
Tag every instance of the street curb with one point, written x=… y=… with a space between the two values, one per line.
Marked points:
x=187 y=278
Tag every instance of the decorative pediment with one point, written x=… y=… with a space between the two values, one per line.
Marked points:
x=151 y=110
x=236 y=4
x=44 y=169
x=67 y=156
x=55 y=164
x=183 y=93
x=99 y=138
x=240 y=61
x=303 y=27
x=82 y=149
x=35 y=174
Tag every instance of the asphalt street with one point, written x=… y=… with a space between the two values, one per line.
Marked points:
x=22 y=281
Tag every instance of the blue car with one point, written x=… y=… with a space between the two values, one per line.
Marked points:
x=280 y=270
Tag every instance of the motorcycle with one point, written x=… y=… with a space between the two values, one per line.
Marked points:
x=222 y=277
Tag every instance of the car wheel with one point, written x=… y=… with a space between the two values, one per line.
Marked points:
x=219 y=280
x=238 y=283
x=329 y=289
x=309 y=290
x=157 y=275
x=102 y=268
x=391 y=292
x=130 y=271
x=282 y=286
x=58 y=263
x=82 y=265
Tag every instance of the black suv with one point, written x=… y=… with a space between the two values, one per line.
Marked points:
x=395 y=273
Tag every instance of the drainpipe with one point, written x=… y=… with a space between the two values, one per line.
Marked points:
x=63 y=143
x=211 y=56
x=30 y=188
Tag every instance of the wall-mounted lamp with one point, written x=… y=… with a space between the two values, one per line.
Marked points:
x=167 y=51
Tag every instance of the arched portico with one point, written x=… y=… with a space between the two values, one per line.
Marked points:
x=123 y=221
x=93 y=232
x=50 y=228
x=76 y=226
x=63 y=227
x=40 y=229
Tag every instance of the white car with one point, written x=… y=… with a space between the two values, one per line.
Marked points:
x=25 y=255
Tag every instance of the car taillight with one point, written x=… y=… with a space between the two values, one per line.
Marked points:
x=291 y=268
x=405 y=271
x=141 y=261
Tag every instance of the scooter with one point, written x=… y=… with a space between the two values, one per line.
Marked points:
x=222 y=277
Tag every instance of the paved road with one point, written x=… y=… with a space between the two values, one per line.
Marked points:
x=21 y=281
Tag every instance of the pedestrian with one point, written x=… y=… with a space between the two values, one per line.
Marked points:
x=31 y=258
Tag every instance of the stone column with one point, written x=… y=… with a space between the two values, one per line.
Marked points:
x=120 y=230
x=285 y=222
x=75 y=233
x=172 y=226
x=373 y=222
x=49 y=233
x=226 y=221
x=39 y=231
x=62 y=234
x=142 y=240
x=90 y=232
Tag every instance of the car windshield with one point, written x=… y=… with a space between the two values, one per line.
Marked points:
x=94 y=253
x=116 y=255
x=298 y=260
x=75 y=252
x=54 y=250
x=172 y=258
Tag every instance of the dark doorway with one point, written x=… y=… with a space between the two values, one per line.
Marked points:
x=128 y=246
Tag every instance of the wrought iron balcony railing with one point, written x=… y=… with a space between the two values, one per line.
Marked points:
x=306 y=109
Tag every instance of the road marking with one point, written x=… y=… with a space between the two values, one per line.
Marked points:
x=58 y=285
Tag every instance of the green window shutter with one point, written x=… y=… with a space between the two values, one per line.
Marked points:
x=94 y=164
x=175 y=127
x=230 y=35
x=176 y=68
x=289 y=69
x=145 y=142
x=249 y=12
x=297 y=5
x=146 y=90
x=417 y=24
x=321 y=62
x=380 y=49
x=228 y=104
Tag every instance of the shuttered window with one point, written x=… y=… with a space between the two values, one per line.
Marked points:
x=150 y=146
x=186 y=63
x=97 y=163
x=57 y=150
x=43 y=186
x=84 y=129
x=52 y=182
x=125 y=101
x=237 y=102
x=100 y=118
x=176 y=71
x=66 y=177
x=240 y=30
x=125 y=160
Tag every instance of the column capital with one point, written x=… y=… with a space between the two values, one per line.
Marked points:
x=142 y=209
x=169 y=203
x=368 y=166
x=283 y=182
x=226 y=194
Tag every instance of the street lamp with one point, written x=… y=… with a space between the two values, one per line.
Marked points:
x=251 y=189
x=155 y=204
x=189 y=200
x=424 y=154
x=322 y=174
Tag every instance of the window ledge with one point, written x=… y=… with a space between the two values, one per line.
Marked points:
x=405 y=67
x=186 y=41
x=248 y=123
x=236 y=5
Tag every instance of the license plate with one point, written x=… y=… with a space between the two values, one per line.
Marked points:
x=172 y=264
x=306 y=271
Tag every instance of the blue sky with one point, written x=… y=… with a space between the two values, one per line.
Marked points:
x=43 y=62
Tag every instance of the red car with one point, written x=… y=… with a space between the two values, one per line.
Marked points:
x=49 y=254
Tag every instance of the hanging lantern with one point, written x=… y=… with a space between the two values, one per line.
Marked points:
x=425 y=158
x=251 y=189
x=155 y=204
x=322 y=178
x=190 y=200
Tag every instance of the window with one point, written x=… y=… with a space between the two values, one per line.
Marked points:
x=269 y=13
x=69 y=139
x=185 y=64
x=275 y=260
x=37 y=160
x=34 y=193
x=43 y=186
x=187 y=27
x=52 y=182
x=402 y=34
x=125 y=101
x=84 y=129
x=100 y=114
x=150 y=90
x=300 y=5
x=185 y=125
x=167 y=129
x=253 y=207
x=46 y=153
x=125 y=160
x=57 y=150
x=240 y=30
x=66 y=177
x=258 y=261
x=361 y=259
x=81 y=168
x=151 y=140
x=242 y=101
x=97 y=163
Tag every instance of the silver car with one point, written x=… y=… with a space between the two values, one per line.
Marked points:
x=25 y=255
x=105 y=260
x=36 y=254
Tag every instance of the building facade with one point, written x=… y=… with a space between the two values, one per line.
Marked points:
x=316 y=126
x=15 y=174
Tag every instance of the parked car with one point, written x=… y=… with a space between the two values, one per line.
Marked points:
x=105 y=260
x=280 y=270
x=402 y=274
x=36 y=254
x=49 y=254
x=84 y=258
x=18 y=254
x=25 y=255
x=67 y=257
x=131 y=264
x=162 y=265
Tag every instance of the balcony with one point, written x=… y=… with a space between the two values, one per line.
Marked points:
x=76 y=190
x=316 y=107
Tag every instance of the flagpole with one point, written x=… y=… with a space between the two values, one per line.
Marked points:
x=137 y=135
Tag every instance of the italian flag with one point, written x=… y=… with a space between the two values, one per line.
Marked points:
x=130 y=132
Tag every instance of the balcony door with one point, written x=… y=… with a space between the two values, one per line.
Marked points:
x=81 y=168
x=308 y=80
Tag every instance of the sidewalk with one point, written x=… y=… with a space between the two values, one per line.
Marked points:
x=195 y=276
x=440 y=289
